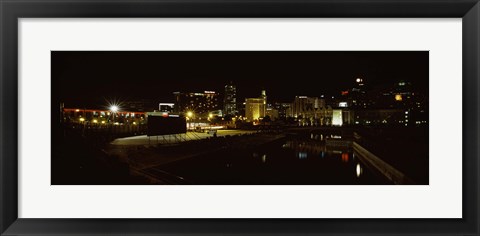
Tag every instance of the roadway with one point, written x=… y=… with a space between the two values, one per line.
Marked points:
x=153 y=140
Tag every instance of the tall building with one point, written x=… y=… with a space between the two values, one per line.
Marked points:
x=358 y=97
x=284 y=109
x=230 y=100
x=256 y=108
x=198 y=103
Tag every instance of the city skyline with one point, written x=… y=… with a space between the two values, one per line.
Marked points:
x=90 y=78
x=240 y=118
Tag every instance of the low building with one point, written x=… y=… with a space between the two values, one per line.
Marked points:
x=311 y=111
x=272 y=113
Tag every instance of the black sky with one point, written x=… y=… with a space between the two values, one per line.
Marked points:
x=91 y=77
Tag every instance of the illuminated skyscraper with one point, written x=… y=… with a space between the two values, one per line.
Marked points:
x=199 y=103
x=230 y=100
x=255 y=108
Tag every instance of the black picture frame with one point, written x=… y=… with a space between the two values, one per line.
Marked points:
x=12 y=10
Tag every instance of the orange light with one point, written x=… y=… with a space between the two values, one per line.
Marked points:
x=398 y=97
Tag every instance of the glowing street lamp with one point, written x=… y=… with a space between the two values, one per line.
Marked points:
x=189 y=116
x=114 y=108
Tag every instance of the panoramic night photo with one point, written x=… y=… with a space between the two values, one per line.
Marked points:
x=240 y=117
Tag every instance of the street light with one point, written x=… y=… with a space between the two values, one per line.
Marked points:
x=189 y=115
x=114 y=109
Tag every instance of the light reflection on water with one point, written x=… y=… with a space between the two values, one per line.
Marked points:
x=292 y=160
x=315 y=148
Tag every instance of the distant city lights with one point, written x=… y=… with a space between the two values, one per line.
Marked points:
x=398 y=97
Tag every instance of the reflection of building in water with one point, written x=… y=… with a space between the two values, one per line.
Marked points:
x=314 y=148
x=256 y=108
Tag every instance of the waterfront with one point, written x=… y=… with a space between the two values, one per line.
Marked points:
x=290 y=160
x=256 y=117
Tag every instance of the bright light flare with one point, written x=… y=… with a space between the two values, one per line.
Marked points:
x=114 y=108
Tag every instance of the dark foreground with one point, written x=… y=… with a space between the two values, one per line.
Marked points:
x=291 y=160
x=299 y=157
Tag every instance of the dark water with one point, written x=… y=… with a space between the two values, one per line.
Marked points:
x=298 y=160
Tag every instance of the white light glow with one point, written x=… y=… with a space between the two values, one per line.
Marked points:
x=114 y=108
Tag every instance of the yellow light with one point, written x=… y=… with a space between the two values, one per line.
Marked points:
x=134 y=123
x=103 y=122
x=82 y=119
x=189 y=114
x=398 y=97
x=77 y=110
x=210 y=115
x=95 y=121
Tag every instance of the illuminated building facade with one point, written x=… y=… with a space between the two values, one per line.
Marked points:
x=272 y=113
x=284 y=110
x=311 y=111
x=230 y=100
x=102 y=117
x=256 y=108
x=166 y=107
x=198 y=103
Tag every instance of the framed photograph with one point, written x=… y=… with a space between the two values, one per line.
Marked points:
x=226 y=117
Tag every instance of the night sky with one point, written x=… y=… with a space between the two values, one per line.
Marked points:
x=90 y=78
